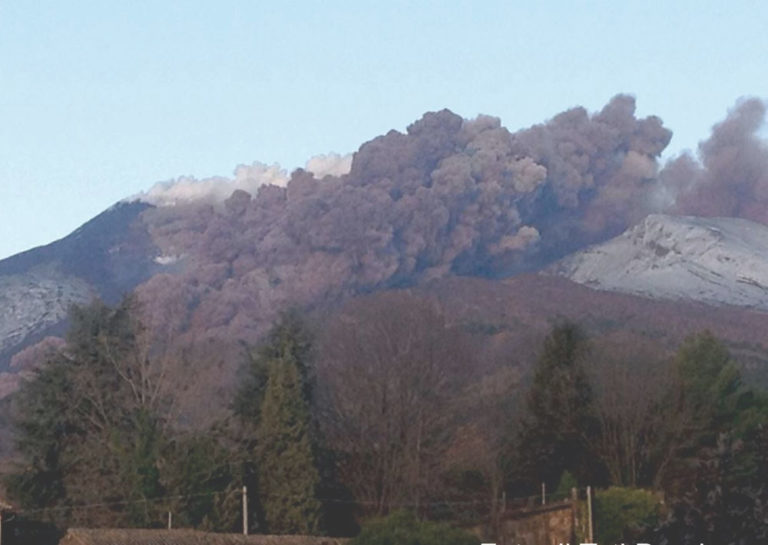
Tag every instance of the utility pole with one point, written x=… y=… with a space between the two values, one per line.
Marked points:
x=170 y=521
x=590 y=533
x=245 y=511
x=504 y=501
x=575 y=509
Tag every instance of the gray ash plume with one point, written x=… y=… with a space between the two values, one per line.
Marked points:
x=731 y=176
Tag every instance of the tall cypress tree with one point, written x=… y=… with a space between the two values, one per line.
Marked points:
x=561 y=421
x=288 y=477
x=287 y=339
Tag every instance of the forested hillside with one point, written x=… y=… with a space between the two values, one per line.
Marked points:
x=388 y=402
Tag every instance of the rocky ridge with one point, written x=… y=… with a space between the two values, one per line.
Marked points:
x=720 y=261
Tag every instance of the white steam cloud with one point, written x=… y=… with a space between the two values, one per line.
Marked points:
x=216 y=189
x=246 y=177
x=332 y=164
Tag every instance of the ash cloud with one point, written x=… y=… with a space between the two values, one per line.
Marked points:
x=601 y=173
x=730 y=177
x=447 y=196
x=454 y=195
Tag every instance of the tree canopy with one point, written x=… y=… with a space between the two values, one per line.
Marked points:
x=560 y=421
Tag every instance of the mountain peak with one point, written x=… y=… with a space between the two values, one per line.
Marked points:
x=714 y=260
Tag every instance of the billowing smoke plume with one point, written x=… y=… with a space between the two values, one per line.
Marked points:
x=601 y=173
x=448 y=196
x=731 y=178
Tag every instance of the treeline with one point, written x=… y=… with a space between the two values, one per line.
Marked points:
x=385 y=404
x=687 y=430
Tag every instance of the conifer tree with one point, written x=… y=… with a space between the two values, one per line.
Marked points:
x=287 y=475
x=709 y=399
x=560 y=421
x=287 y=339
x=80 y=427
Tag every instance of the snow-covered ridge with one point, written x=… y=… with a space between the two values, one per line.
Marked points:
x=33 y=301
x=714 y=260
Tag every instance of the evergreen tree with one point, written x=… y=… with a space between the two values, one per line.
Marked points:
x=42 y=426
x=709 y=399
x=727 y=502
x=710 y=389
x=718 y=471
x=288 y=339
x=83 y=436
x=201 y=470
x=560 y=422
x=288 y=477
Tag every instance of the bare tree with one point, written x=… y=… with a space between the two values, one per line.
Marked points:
x=633 y=381
x=390 y=369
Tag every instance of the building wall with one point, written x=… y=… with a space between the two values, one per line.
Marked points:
x=544 y=525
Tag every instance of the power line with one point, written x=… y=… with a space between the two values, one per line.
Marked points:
x=160 y=499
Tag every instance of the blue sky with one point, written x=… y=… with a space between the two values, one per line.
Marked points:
x=100 y=99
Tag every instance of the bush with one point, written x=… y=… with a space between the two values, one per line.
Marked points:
x=403 y=528
x=621 y=514
x=563 y=490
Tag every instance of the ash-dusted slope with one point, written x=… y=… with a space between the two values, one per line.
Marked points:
x=106 y=257
x=714 y=260
x=33 y=302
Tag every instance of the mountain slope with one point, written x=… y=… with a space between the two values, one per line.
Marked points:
x=515 y=314
x=713 y=260
x=106 y=257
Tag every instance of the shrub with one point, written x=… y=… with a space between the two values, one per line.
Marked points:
x=621 y=514
x=403 y=528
